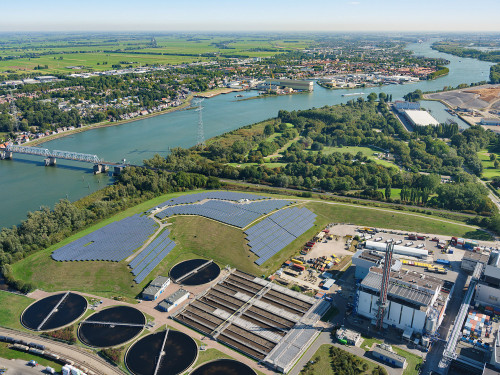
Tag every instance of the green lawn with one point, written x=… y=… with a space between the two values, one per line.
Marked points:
x=7 y=353
x=200 y=237
x=323 y=363
x=11 y=308
x=382 y=218
x=368 y=343
x=414 y=361
x=489 y=170
x=395 y=193
x=366 y=151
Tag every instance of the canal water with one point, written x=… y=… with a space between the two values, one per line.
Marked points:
x=26 y=183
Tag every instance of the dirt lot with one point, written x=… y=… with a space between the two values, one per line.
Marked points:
x=488 y=94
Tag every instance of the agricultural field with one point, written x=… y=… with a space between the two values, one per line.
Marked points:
x=100 y=52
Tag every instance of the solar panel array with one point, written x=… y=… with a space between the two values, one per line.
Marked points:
x=238 y=214
x=221 y=195
x=151 y=256
x=272 y=234
x=114 y=242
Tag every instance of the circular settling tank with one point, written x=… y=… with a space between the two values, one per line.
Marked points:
x=223 y=367
x=54 y=312
x=111 y=327
x=202 y=274
x=170 y=356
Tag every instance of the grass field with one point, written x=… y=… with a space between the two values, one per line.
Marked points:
x=386 y=219
x=395 y=193
x=366 y=151
x=323 y=363
x=489 y=170
x=414 y=361
x=11 y=308
x=7 y=353
x=201 y=237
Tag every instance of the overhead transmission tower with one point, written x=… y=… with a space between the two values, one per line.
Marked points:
x=200 y=139
x=13 y=111
x=386 y=274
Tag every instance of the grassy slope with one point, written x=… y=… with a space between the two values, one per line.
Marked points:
x=11 y=307
x=383 y=219
x=200 y=237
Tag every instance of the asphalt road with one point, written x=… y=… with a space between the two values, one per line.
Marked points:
x=19 y=367
x=78 y=355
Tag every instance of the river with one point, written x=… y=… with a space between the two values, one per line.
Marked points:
x=27 y=184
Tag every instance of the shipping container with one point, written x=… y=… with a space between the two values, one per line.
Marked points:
x=328 y=284
x=299 y=267
x=444 y=262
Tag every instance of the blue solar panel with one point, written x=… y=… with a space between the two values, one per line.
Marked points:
x=237 y=214
x=114 y=242
x=220 y=195
x=272 y=234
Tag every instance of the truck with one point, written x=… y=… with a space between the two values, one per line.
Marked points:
x=412 y=236
x=296 y=261
x=444 y=262
x=299 y=267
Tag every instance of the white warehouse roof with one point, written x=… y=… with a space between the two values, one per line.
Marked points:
x=421 y=118
x=398 y=249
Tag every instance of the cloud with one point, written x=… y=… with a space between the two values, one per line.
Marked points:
x=353 y=2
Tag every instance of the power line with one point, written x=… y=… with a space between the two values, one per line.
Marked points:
x=200 y=139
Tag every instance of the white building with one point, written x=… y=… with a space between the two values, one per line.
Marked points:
x=420 y=118
x=416 y=303
x=398 y=249
x=174 y=300
x=157 y=286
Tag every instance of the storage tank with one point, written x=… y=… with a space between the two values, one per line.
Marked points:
x=398 y=249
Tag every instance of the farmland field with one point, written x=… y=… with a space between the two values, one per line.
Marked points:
x=77 y=53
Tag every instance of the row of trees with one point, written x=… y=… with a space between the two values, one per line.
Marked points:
x=357 y=123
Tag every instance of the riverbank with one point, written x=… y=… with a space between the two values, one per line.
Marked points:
x=215 y=92
x=105 y=124
x=272 y=96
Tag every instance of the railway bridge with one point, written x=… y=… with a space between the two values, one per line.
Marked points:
x=51 y=157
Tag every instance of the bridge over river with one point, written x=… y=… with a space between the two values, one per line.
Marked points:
x=51 y=157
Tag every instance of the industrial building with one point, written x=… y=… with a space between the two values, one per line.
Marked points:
x=157 y=286
x=488 y=288
x=419 y=118
x=363 y=260
x=265 y=321
x=398 y=249
x=401 y=105
x=348 y=336
x=385 y=353
x=471 y=259
x=291 y=83
x=415 y=302
x=173 y=300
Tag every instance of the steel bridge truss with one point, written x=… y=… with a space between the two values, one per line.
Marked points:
x=58 y=154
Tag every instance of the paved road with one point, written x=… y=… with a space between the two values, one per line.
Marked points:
x=78 y=355
x=19 y=367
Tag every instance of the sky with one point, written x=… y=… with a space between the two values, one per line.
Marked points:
x=254 y=15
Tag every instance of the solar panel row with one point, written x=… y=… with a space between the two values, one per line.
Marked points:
x=114 y=242
x=221 y=195
x=272 y=234
x=151 y=266
x=163 y=236
x=237 y=214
